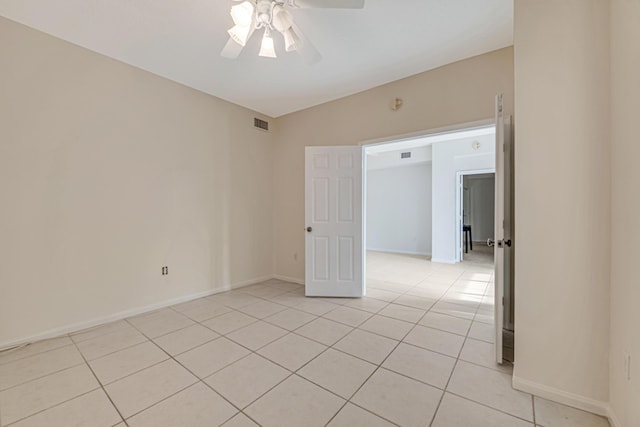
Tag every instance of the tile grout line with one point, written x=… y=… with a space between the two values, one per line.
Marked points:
x=101 y=386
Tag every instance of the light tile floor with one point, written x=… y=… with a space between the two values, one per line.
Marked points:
x=417 y=351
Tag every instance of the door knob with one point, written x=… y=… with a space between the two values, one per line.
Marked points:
x=490 y=242
x=309 y=229
x=507 y=242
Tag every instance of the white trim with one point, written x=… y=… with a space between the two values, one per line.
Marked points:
x=289 y=279
x=79 y=326
x=612 y=417
x=443 y=260
x=248 y=282
x=430 y=132
x=393 y=251
x=564 y=397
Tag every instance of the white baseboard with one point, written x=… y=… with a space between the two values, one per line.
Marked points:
x=443 y=260
x=563 y=397
x=79 y=326
x=249 y=282
x=393 y=251
x=612 y=418
x=289 y=279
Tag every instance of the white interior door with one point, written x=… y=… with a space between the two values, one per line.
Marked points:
x=334 y=258
x=503 y=131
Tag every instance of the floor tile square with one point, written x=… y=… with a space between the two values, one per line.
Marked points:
x=125 y=362
x=33 y=349
x=420 y=364
x=551 y=414
x=365 y=345
x=446 y=323
x=202 y=310
x=387 y=326
x=34 y=396
x=262 y=309
x=482 y=331
x=435 y=340
x=484 y=354
x=382 y=295
x=160 y=322
x=314 y=306
x=139 y=391
x=96 y=331
x=402 y=312
x=196 y=406
x=39 y=365
x=109 y=343
x=229 y=322
x=257 y=335
x=91 y=409
x=185 y=339
x=414 y=301
x=455 y=411
x=456 y=310
x=348 y=316
x=292 y=351
x=212 y=356
x=235 y=299
x=354 y=416
x=290 y=319
x=295 y=402
x=399 y=399
x=371 y=305
x=491 y=388
x=338 y=372
x=324 y=331
x=247 y=379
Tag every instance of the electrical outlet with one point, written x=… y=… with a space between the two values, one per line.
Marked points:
x=627 y=366
x=165 y=270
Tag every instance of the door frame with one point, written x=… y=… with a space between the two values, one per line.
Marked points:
x=459 y=205
x=460 y=127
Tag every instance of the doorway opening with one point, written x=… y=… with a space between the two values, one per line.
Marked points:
x=475 y=215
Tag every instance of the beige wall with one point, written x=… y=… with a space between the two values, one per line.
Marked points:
x=625 y=205
x=461 y=92
x=562 y=186
x=109 y=173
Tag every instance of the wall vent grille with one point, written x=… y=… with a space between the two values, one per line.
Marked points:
x=260 y=124
x=406 y=155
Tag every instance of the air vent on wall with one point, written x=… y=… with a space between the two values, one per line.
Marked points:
x=406 y=155
x=260 y=124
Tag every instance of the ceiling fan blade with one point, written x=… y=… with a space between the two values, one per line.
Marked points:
x=306 y=49
x=328 y=4
x=231 y=50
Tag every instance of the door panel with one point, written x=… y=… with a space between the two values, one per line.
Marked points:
x=334 y=230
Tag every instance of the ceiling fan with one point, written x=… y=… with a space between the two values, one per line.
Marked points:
x=273 y=15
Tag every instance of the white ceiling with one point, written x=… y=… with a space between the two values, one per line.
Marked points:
x=361 y=49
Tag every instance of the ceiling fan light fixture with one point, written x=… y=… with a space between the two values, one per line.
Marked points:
x=242 y=14
x=291 y=40
x=267 y=49
x=240 y=34
x=282 y=19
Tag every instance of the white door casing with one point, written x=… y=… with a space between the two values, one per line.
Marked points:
x=334 y=256
x=503 y=131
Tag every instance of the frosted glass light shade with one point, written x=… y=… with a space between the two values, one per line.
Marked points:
x=239 y=34
x=282 y=19
x=242 y=14
x=291 y=40
x=267 y=49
